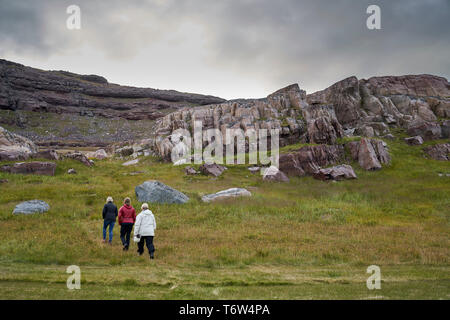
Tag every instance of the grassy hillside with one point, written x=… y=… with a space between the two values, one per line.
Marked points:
x=299 y=240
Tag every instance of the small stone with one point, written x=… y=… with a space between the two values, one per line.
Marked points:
x=71 y=171
x=131 y=162
x=190 y=171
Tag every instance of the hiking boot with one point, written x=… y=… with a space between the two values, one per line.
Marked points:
x=152 y=256
x=104 y=241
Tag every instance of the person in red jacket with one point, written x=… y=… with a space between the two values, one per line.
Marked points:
x=127 y=218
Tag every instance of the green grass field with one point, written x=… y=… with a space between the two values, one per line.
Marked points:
x=305 y=239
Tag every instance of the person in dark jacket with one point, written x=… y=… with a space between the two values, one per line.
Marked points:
x=109 y=218
x=127 y=217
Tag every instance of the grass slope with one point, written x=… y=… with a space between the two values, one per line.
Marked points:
x=300 y=240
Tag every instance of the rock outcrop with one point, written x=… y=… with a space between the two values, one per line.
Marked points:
x=370 y=153
x=157 y=192
x=30 y=89
x=393 y=100
x=339 y=172
x=439 y=151
x=350 y=107
x=35 y=167
x=15 y=147
x=309 y=159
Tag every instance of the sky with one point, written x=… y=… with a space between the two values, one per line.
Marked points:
x=229 y=48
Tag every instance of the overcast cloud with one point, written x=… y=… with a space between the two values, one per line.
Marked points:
x=229 y=48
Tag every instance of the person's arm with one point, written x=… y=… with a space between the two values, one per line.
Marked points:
x=104 y=211
x=137 y=226
x=134 y=215
x=120 y=215
x=115 y=207
x=154 y=221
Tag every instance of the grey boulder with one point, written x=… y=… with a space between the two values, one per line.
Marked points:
x=224 y=194
x=339 y=172
x=157 y=192
x=31 y=207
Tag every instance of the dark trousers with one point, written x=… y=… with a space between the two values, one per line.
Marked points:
x=125 y=233
x=149 y=242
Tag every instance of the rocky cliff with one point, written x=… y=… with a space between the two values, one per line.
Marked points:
x=351 y=107
x=30 y=89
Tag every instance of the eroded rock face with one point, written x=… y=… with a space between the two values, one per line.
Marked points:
x=282 y=110
x=15 y=147
x=157 y=192
x=339 y=172
x=224 y=194
x=439 y=151
x=392 y=100
x=25 y=88
x=350 y=107
x=36 y=167
x=309 y=159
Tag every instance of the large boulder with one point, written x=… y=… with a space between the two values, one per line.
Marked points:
x=212 y=169
x=36 y=167
x=15 y=147
x=370 y=153
x=157 y=192
x=31 y=207
x=426 y=129
x=224 y=194
x=309 y=159
x=414 y=141
x=274 y=174
x=339 y=172
x=439 y=151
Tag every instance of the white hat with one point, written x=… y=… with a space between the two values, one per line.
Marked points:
x=144 y=206
x=109 y=199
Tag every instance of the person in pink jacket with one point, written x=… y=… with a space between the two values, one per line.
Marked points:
x=127 y=218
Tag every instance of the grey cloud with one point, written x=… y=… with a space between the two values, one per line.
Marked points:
x=273 y=43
